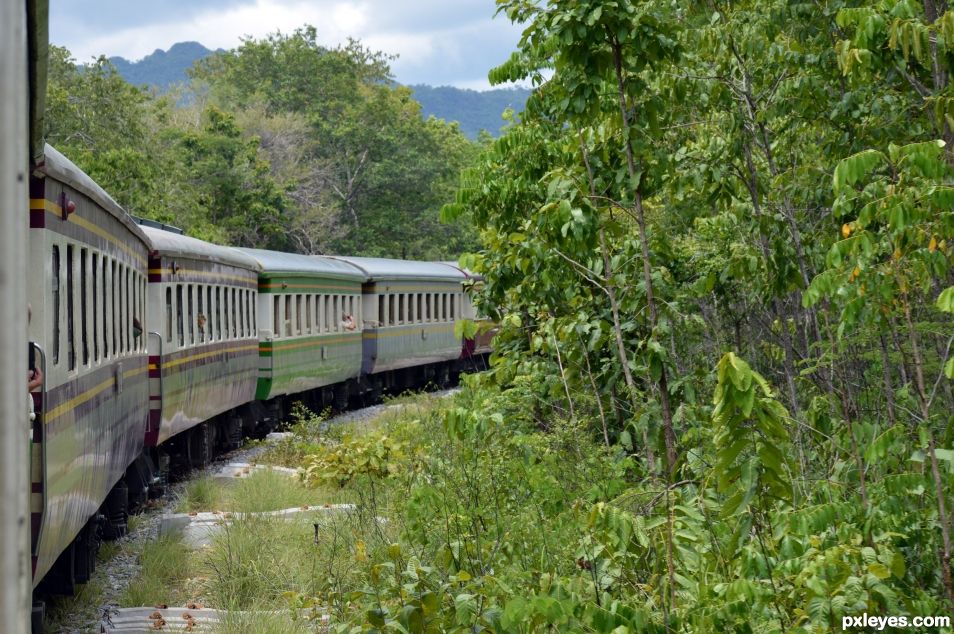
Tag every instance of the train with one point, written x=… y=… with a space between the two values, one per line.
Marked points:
x=158 y=350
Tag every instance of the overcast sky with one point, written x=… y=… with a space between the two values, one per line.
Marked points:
x=439 y=42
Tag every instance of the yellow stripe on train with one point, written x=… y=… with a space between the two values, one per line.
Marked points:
x=76 y=401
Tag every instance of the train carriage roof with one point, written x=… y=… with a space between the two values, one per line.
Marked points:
x=390 y=269
x=294 y=263
x=467 y=272
x=64 y=170
x=169 y=244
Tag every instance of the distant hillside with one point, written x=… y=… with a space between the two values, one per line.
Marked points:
x=474 y=110
x=161 y=68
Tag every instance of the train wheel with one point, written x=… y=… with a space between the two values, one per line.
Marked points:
x=341 y=397
x=37 y=614
x=233 y=436
x=117 y=511
x=200 y=447
x=87 y=545
x=442 y=377
x=61 y=579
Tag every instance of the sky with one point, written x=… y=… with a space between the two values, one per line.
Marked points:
x=438 y=42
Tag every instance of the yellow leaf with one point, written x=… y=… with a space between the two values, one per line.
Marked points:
x=932 y=245
x=897 y=254
x=360 y=552
x=855 y=274
x=845 y=230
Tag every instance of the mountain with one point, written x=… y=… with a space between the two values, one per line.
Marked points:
x=474 y=110
x=162 y=68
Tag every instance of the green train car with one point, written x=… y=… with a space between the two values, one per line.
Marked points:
x=310 y=316
x=409 y=311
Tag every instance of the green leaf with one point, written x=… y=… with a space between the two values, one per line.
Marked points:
x=945 y=301
x=852 y=169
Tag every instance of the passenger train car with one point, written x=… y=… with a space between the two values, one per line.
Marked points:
x=309 y=330
x=160 y=350
x=409 y=312
x=87 y=287
x=203 y=355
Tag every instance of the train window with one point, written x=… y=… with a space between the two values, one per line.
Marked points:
x=233 y=316
x=84 y=332
x=392 y=310
x=180 y=328
x=453 y=314
x=113 y=302
x=104 y=309
x=209 y=327
x=120 y=313
x=190 y=315
x=401 y=315
x=246 y=303
x=298 y=307
x=287 y=324
x=325 y=311
x=168 y=323
x=308 y=314
x=127 y=313
x=419 y=307
x=226 y=314
x=94 y=278
x=200 y=316
x=134 y=308
x=276 y=317
x=56 y=305
x=241 y=312
x=317 y=300
x=70 y=345
x=254 y=311
x=219 y=334
x=382 y=310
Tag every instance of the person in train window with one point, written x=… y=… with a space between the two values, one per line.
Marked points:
x=347 y=322
x=137 y=328
x=200 y=322
x=34 y=374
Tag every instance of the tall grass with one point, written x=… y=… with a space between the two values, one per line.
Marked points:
x=202 y=494
x=262 y=490
x=166 y=564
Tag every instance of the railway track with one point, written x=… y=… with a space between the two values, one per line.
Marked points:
x=99 y=610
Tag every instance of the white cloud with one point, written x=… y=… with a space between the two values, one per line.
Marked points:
x=434 y=43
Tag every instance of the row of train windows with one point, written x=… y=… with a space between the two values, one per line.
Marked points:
x=396 y=309
x=296 y=315
x=96 y=301
x=200 y=313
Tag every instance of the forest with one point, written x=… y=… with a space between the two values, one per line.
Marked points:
x=717 y=247
x=280 y=143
